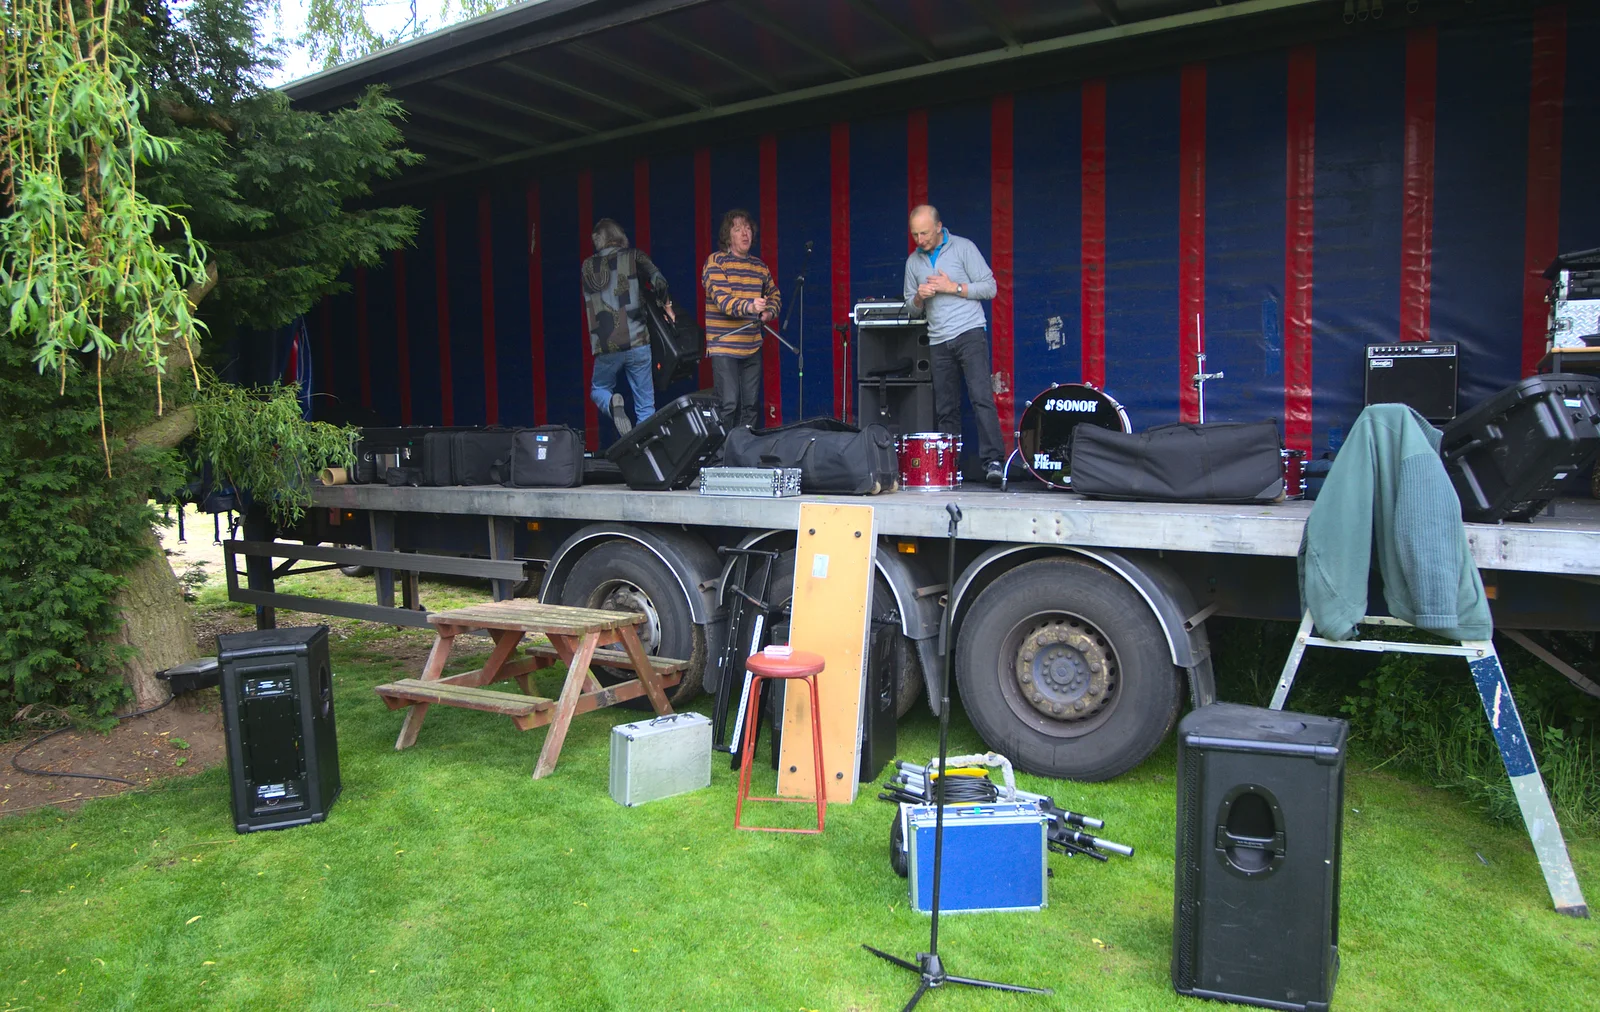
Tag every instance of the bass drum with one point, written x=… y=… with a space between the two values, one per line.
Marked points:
x=1044 y=434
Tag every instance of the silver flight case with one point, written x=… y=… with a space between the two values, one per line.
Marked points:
x=760 y=482
x=654 y=759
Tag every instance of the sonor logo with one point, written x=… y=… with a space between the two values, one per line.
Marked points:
x=1064 y=404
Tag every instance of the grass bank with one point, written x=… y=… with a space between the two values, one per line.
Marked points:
x=446 y=878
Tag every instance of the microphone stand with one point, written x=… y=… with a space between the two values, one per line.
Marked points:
x=800 y=339
x=928 y=965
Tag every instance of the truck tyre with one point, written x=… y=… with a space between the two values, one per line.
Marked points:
x=356 y=571
x=624 y=576
x=1063 y=668
x=908 y=685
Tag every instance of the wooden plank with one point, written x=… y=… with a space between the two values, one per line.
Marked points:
x=512 y=669
x=647 y=673
x=533 y=616
x=431 y=671
x=614 y=659
x=464 y=696
x=609 y=695
x=833 y=579
x=566 y=706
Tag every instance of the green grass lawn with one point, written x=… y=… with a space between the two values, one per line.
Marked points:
x=446 y=878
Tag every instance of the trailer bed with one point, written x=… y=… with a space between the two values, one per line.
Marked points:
x=1567 y=542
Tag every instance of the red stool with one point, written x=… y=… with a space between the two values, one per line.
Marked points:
x=803 y=666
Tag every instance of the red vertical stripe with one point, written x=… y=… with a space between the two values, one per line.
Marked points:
x=1092 y=279
x=916 y=164
x=1191 y=235
x=363 y=348
x=1416 y=228
x=1544 y=176
x=839 y=247
x=702 y=241
x=1299 y=209
x=491 y=374
x=772 y=356
x=641 y=205
x=441 y=289
x=402 y=335
x=325 y=343
x=1001 y=116
x=541 y=408
x=591 y=417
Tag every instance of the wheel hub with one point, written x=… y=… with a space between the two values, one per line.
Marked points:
x=624 y=596
x=1065 y=670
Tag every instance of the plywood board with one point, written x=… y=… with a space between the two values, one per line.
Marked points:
x=833 y=578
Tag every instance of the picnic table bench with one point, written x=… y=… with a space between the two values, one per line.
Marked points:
x=577 y=636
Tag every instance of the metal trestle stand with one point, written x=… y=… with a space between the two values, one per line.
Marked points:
x=928 y=965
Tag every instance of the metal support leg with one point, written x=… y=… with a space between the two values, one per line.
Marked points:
x=1292 y=665
x=1540 y=818
x=502 y=547
x=258 y=568
x=382 y=522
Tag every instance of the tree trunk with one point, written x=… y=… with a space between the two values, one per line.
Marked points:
x=156 y=623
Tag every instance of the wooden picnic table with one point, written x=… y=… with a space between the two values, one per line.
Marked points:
x=577 y=636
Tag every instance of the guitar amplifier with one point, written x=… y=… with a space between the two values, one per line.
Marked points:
x=1421 y=374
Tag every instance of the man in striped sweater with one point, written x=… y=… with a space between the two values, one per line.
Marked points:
x=741 y=297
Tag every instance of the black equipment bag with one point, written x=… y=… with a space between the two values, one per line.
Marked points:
x=550 y=456
x=668 y=449
x=382 y=447
x=597 y=470
x=832 y=456
x=436 y=458
x=1509 y=456
x=1220 y=462
x=473 y=454
x=676 y=347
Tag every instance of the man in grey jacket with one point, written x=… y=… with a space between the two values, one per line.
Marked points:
x=946 y=279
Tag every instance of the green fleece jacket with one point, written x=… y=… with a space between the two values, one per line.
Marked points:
x=1388 y=493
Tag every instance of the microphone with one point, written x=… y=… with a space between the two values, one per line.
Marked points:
x=808 y=245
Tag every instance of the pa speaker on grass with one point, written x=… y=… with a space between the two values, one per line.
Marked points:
x=277 y=716
x=1260 y=803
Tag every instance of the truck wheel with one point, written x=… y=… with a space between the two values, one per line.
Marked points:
x=1063 y=668
x=908 y=668
x=356 y=571
x=623 y=576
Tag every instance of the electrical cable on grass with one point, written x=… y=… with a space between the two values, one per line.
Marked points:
x=81 y=776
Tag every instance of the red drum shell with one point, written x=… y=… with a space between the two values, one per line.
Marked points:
x=928 y=462
x=1294 y=474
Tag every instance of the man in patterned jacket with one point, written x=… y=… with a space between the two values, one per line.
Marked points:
x=741 y=297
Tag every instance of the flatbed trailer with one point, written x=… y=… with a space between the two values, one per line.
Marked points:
x=1078 y=623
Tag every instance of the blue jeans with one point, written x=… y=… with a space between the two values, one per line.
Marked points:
x=607 y=367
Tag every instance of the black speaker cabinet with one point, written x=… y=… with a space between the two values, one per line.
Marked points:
x=1260 y=803
x=900 y=407
x=277 y=715
x=1419 y=373
x=894 y=352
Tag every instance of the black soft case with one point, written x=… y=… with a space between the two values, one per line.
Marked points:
x=832 y=457
x=549 y=456
x=1220 y=462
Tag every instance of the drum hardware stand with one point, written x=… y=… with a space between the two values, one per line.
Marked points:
x=1201 y=376
x=744 y=639
x=928 y=965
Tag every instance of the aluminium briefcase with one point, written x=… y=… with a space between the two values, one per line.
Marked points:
x=660 y=758
x=1218 y=462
